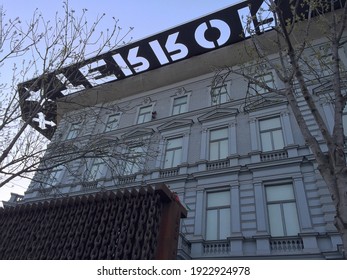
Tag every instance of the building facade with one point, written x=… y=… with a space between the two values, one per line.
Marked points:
x=233 y=153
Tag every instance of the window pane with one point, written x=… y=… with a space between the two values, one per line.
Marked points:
x=219 y=95
x=146 y=109
x=279 y=193
x=180 y=104
x=135 y=160
x=223 y=152
x=173 y=152
x=223 y=98
x=214 y=151
x=291 y=218
x=112 y=122
x=219 y=134
x=128 y=168
x=211 y=225
x=145 y=114
x=168 y=159
x=224 y=223
x=183 y=108
x=177 y=157
x=74 y=130
x=217 y=199
x=266 y=79
x=270 y=124
x=55 y=175
x=275 y=220
x=174 y=143
x=266 y=144
x=278 y=139
x=96 y=170
x=344 y=121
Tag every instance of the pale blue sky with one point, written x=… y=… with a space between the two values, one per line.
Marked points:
x=147 y=17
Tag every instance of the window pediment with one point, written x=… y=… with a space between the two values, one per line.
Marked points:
x=219 y=113
x=103 y=140
x=323 y=88
x=138 y=133
x=175 y=124
x=261 y=103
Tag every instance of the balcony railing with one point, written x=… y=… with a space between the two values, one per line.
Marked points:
x=286 y=245
x=90 y=185
x=220 y=164
x=277 y=155
x=169 y=172
x=216 y=248
x=127 y=179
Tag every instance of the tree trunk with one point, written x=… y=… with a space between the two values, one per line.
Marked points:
x=341 y=208
x=344 y=242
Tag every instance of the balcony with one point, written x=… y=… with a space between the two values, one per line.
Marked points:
x=216 y=248
x=286 y=245
x=127 y=179
x=220 y=164
x=90 y=185
x=169 y=172
x=275 y=155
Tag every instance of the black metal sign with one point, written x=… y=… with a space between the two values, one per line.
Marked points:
x=205 y=34
x=216 y=30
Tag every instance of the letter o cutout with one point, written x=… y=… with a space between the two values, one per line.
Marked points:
x=222 y=26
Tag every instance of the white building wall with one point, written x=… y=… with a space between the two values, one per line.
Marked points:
x=244 y=172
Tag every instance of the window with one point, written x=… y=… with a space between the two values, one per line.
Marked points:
x=218 y=144
x=74 y=131
x=56 y=175
x=145 y=114
x=219 y=95
x=180 y=105
x=344 y=120
x=112 y=122
x=281 y=207
x=134 y=161
x=271 y=134
x=173 y=153
x=325 y=61
x=218 y=217
x=266 y=79
x=96 y=170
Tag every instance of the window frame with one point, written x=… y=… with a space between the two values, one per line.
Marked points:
x=97 y=166
x=256 y=89
x=271 y=132
x=225 y=93
x=282 y=219
x=55 y=175
x=109 y=128
x=134 y=163
x=180 y=111
x=344 y=121
x=218 y=140
x=74 y=131
x=215 y=229
x=174 y=150
x=149 y=113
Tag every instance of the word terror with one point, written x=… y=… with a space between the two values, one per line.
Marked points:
x=216 y=30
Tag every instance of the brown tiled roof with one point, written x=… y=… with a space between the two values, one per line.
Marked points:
x=131 y=224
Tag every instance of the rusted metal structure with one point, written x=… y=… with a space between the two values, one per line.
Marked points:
x=128 y=224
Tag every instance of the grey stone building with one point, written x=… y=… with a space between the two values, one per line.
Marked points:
x=233 y=153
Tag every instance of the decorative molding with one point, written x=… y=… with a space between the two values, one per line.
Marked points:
x=219 y=113
x=181 y=91
x=175 y=124
x=140 y=132
x=146 y=101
